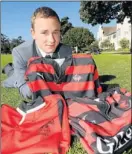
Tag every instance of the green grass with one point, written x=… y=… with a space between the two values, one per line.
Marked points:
x=9 y=95
x=5 y=59
x=118 y=65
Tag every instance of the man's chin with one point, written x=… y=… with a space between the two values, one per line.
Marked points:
x=49 y=50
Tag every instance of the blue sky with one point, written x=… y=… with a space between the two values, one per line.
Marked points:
x=15 y=17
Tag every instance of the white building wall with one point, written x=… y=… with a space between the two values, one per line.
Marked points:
x=122 y=31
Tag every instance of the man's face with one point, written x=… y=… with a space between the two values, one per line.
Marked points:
x=46 y=33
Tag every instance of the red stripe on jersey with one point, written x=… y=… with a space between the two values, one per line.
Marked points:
x=46 y=68
x=99 y=89
x=76 y=109
x=82 y=56
x=81 y=69
x=71 y=86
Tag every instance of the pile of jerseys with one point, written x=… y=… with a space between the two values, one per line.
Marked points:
x=104 y=124
x=67 y=96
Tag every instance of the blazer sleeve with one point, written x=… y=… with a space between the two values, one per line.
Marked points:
x=19 y=72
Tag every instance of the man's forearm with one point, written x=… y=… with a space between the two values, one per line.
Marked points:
x=25 y=91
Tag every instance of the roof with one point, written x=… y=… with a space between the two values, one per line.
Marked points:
x=109 y=30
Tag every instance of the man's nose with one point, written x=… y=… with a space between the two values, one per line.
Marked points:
x=51 y=38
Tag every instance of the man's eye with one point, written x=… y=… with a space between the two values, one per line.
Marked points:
x=44 y=32
x=57 y=32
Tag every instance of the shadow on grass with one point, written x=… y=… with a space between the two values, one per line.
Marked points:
x=122 y=53
x=105 y=78
x=73 y=139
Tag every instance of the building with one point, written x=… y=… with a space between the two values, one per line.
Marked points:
x=115 y=33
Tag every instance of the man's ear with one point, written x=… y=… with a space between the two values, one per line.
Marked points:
x=32 y=33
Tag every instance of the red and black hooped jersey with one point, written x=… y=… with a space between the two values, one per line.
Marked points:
x=104 y=124
x=77 y=76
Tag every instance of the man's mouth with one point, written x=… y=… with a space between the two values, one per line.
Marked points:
x=51 y=46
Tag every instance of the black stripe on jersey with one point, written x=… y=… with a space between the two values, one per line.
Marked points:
x=67 y=78
x=67 y=94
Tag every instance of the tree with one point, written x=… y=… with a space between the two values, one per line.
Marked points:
x=5 y=44
x=106 y=44
x=16 y=42
x=99 y=12
x=94 y=44
x=77 y=36
x=112 y=46
x=65 y=25
x=124 y=43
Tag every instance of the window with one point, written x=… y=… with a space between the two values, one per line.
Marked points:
x=114 y=36
x=108 y=37
x=126 y=33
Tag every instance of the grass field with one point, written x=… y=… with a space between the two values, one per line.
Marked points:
x=116 y=65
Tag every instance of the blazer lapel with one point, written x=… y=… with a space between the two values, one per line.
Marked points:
x=36 y=51
x=56 y=54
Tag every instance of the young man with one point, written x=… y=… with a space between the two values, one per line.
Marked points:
x=45 y=31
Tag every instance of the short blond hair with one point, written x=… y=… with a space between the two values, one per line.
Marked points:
x=43 y=12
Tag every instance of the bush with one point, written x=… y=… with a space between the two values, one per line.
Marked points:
x=77 y=36
x=124 y=43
